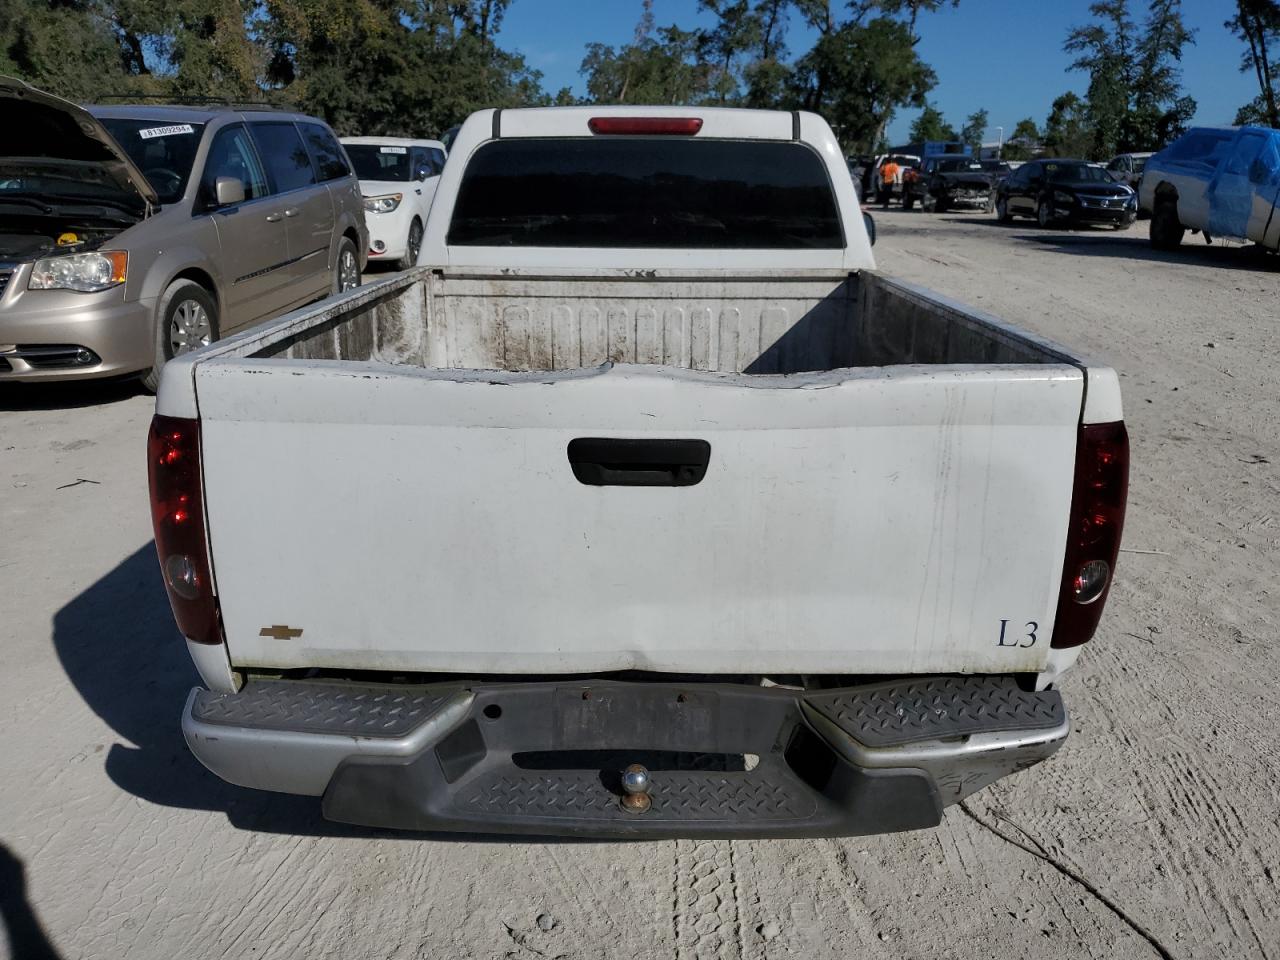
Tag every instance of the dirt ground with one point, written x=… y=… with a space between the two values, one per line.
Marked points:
x=1152 y=833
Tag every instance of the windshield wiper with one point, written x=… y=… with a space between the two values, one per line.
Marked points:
x=97 y=202
x=29 y=201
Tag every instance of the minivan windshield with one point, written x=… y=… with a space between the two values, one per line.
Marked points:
x=374 y=161
x=646 y=192
x=164 y=152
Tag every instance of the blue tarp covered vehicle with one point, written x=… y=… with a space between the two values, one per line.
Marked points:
x=1220 y=181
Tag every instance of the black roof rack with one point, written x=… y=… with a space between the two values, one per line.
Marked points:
x=166 y=100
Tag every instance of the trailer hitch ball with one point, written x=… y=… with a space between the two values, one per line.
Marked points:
x=635 y=789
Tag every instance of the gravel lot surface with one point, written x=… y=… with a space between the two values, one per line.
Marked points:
x=1152 y=833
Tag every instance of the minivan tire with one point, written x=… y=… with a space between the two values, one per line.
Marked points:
x=186 y=312
x=346 y=267
x=412 y=245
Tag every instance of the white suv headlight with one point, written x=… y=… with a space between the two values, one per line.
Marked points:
x=86 y=272
x=383 y=204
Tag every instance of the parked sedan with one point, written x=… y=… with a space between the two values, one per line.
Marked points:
x=1070 y=191
x=398 y=178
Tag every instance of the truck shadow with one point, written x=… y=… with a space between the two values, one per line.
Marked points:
x=67 y=396
x=26 y=936
x=118 y=645
x=1192 y=253
x=1104 y=242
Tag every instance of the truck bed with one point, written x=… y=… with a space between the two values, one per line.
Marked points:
x=771 y=324
x=887 y=488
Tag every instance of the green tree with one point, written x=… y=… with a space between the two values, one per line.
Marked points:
x=1134 y=97
x=974 y=129
x=908 y=9
x=1257 y=23
x=767 y=75
x=662 y=66
x=35 y=38
x=737 y=32
x=857 y=75
x=931 y=125
x=1067 y=131
x=1023 y=142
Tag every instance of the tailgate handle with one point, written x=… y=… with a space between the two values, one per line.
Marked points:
x=619 y=462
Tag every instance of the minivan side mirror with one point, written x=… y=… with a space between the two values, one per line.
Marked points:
x=228 y=191
x=423 y=172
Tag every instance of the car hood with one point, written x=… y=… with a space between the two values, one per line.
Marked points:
x=41 y=126
x=380 y=188
x=1090 y=189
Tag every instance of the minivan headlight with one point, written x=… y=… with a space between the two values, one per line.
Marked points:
x=1060 y=196
x=384 y=204
x=86 y=272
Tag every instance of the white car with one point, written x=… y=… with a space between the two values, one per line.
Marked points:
x=398 y=178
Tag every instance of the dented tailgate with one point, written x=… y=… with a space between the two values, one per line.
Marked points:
x=880 y=520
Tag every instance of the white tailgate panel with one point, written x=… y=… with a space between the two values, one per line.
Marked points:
x=857 y=521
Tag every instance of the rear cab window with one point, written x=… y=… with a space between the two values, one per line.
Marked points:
x=646 y=192
x=1202 y=149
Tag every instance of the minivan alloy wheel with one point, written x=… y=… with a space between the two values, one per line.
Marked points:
x=348 y=271
x=190 y=329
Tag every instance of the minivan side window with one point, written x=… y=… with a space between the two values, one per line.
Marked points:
x=438 y=157
x=232 y=155
x=331 y=162
x=284 y=155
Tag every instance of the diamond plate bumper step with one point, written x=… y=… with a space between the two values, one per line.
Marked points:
x=545 y=757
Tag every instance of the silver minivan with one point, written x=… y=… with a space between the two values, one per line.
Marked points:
x=131 y=234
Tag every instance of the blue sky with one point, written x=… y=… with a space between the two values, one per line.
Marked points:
x=1005 y=55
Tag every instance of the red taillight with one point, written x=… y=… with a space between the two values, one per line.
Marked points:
x=177 y=516
x=1093 y=536
x=646 y=126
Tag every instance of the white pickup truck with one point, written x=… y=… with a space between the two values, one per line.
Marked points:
x=644 y=506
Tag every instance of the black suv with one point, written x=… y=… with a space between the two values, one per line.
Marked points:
x=945 y=182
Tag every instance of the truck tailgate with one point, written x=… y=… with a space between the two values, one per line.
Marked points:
x=882 y=520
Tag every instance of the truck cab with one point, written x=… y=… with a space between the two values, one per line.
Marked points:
x=1218 y=181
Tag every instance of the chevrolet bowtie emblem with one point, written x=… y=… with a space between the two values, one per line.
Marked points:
x=280 y=631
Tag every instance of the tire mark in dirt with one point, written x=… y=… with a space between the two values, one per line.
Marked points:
x=835 y=860
x=708 y=911
x=1032 y=846
x=263 y=888
x=587 y=906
